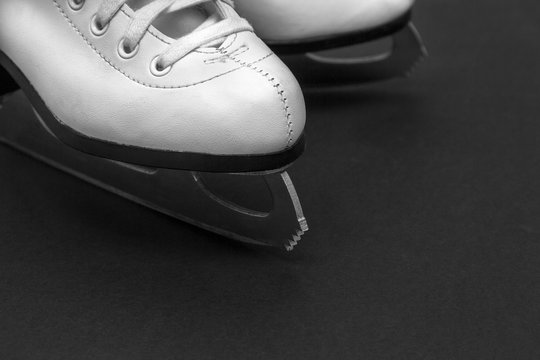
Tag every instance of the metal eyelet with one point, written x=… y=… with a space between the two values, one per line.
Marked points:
x=124 y=53
x=95 y=27
x=156 y=70
x=76 y=5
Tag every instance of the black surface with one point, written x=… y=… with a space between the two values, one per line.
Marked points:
x=424 y=203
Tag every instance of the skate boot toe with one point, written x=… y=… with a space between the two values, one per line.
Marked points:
x=380 y=12
x=114 y=83
x=272 y=117
x=283 y=21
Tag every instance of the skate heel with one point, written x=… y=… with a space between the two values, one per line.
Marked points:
x=7 y=84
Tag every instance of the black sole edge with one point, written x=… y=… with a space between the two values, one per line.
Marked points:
x=326 y=43
x=143 y=156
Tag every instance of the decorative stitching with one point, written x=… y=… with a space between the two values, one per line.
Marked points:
x=276 y=85
x=224 y=58
x=66 y=17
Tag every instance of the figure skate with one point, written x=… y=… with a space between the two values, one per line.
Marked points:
x=332 y=42
x=151 y=97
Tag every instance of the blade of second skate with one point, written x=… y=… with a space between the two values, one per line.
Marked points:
x=314 y=69
x=181 y=194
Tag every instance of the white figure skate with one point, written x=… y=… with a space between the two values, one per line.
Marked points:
x=150 y=97
x=339 y=42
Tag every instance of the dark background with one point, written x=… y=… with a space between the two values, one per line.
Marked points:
x=423 y=197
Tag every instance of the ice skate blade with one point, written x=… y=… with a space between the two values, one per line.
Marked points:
x=317 y=69
x=184 y=195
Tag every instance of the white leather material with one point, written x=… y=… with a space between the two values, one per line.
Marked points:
x=294 y=20
x=236 y=100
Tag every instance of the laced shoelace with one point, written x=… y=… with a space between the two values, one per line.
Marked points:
x=145 y=16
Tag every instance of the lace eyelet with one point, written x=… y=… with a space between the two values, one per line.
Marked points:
x=95 y=28
x=156 y=70
x=76 y=5
x=124 y=53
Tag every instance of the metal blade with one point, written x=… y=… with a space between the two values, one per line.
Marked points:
x=316 y=69
x=183 y=195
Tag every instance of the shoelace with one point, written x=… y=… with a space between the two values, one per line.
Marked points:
x=144 y=17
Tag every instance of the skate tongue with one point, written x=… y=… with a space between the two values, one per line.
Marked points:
x=176 y=23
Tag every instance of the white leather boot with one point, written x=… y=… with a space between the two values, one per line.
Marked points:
x=305 y=25
x=182 y=84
